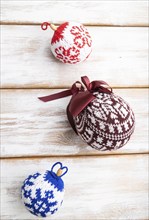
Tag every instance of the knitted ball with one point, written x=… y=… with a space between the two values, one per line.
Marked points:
x=101 y=118
x=71 y=43
x=42 y=194
x=106 y=123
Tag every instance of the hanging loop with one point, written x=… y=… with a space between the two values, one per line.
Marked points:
x=44 y=25
x=61 y=171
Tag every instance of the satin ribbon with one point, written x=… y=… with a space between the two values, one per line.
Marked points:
x=81 y=96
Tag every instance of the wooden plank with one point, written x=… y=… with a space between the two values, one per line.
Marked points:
x=113 y=187
x=120 y=57
x=123 y=13
x=33 y=128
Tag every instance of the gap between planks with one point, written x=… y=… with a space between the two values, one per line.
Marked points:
x=44 y=129
x=128 y=13
x=86 y=24
x=73 y=156
x=120 y=54
x=63 y=87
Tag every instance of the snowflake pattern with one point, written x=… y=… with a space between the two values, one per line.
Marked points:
x=71 y=43
x=67 y=56
x=42 y=194
x=110 y=119
x=111 y=128
x=82 y=36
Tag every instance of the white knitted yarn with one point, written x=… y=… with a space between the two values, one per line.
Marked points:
x=75 y=45
x=40 y=196
x=106 y=123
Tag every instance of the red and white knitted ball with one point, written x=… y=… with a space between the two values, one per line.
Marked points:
x=106 y=123
x=71 y=42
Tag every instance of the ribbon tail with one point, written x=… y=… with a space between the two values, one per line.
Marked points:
x=58 y=95
x=79 y=102
x=71 y=120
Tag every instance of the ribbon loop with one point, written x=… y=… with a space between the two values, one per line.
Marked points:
x=80 y=97
x=76 y=87
x=100 y=86
x=96 y=86
x=86 y=82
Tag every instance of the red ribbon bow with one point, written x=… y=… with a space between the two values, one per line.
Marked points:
x=81 y=97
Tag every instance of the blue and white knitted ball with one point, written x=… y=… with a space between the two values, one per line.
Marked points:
x=42 y=194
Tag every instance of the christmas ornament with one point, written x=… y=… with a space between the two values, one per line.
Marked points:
x=42 y=194
x=101 y=118
x=71 y=42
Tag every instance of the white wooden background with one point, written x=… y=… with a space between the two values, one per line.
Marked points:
x=34 y=135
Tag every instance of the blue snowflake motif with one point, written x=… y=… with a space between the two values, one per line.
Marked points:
x=27 y=193
x=40 y=201
x=49 y=194
x=36 y=175
x=41 y=206
x=30 y=180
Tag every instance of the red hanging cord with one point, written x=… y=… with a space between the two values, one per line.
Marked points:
x=45 y=25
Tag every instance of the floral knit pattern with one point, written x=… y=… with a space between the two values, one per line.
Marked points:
x=71 y=43
x=67 y=56
x=82 y=36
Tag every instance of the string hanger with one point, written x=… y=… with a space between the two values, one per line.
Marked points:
x=45 y=25
x=62 y=169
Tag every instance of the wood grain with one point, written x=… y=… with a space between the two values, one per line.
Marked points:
x=111 y=187
x=34 y=135
x=33 y=128
x=120 y=57
x=123 y=13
